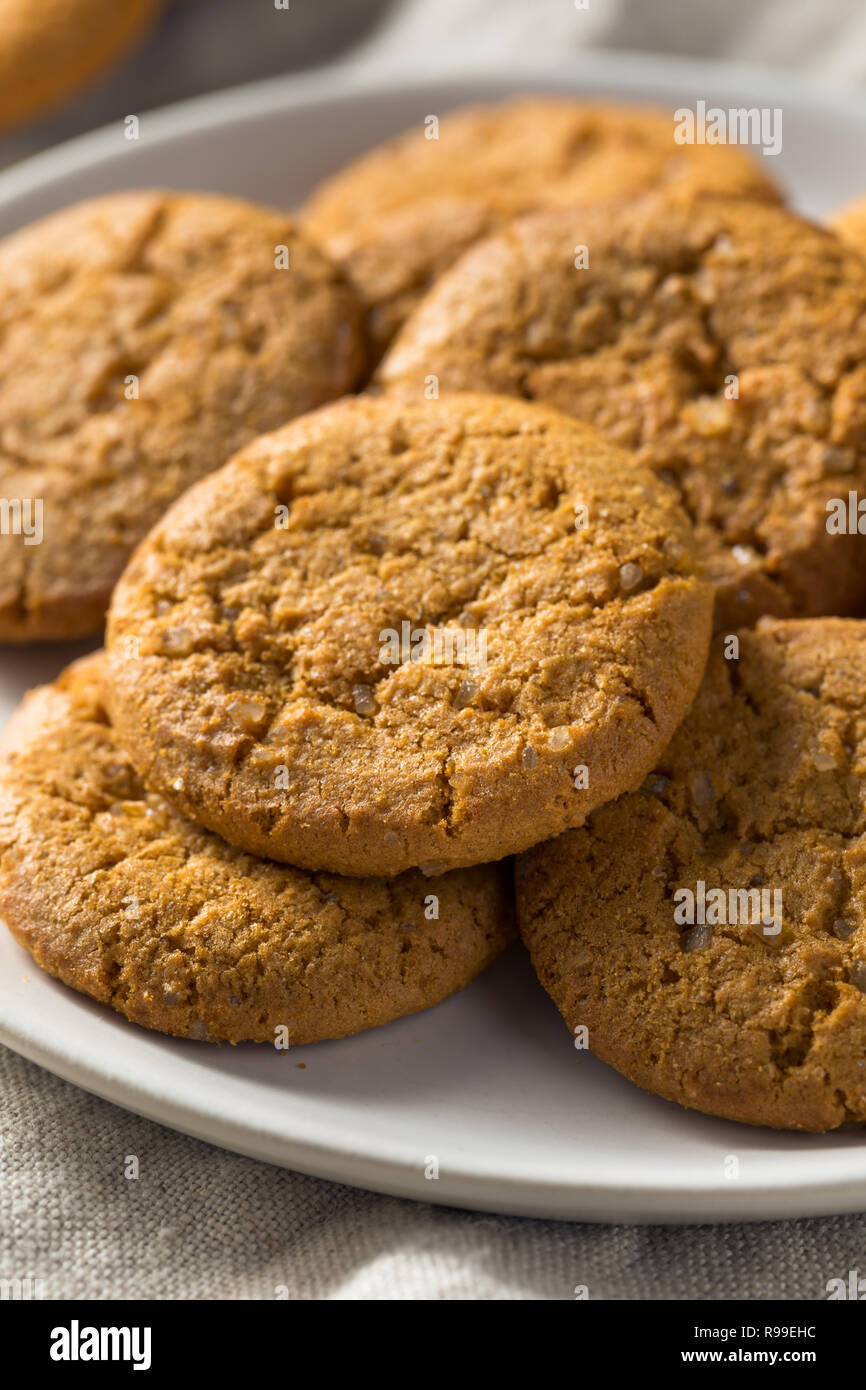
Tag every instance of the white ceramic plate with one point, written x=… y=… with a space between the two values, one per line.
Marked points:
x=488 y=1086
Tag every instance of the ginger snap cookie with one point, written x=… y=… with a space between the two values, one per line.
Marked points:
x=51 y=50
x=709 y=931
x=392 y=635
x=399 y=216
x=118 y=896
x=723 y=341
x=144 y=337
x=849 y=222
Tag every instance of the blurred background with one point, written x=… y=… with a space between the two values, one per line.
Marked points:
x=197 y=46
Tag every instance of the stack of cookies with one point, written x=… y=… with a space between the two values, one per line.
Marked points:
x=577 y=578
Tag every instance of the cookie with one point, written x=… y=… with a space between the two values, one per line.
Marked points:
x=144 y=337
x=723 y=341
x=849 y=222
x=709 y=931
x=391 y=636
x=118 y=896
x=48 y=52
x=399 y=216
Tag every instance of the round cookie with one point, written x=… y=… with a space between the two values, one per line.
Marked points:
x=849 y=222
x=144 y=337
x=399 y=216
x=389 y=635
x=51 y=50
x=120 y=898
x=723 y=341
x=710 y=930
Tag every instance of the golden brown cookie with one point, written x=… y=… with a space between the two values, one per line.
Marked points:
x=51 y=49
x=849 y=222
x=112 y=892
x=723 y=341
x=710 y=930
x=399 y=216
x=143 y=338
x=388 y=636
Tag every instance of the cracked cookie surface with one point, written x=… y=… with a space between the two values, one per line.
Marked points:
x=762 y=788
x=118 y=896
x=262 y=675
x=723 y=341
x=144 y=337
x=400 y=215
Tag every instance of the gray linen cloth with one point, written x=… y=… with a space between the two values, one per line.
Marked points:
x=199 y=1223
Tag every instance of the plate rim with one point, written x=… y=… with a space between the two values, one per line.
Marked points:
x=682 y=1199
x=343 y=82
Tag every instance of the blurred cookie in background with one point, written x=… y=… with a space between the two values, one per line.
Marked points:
x=400 y=215
x=50 y=50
